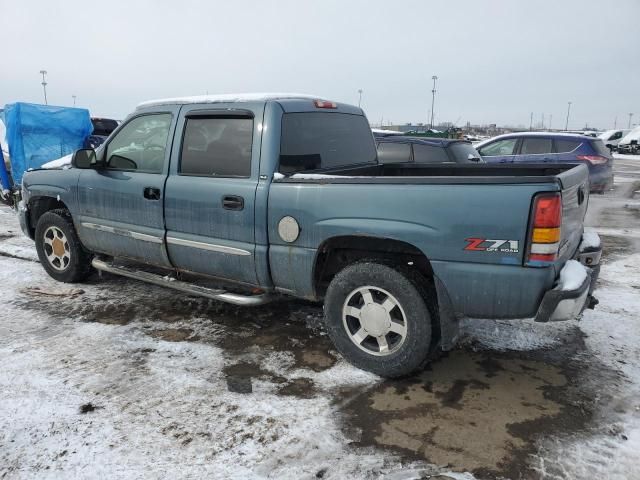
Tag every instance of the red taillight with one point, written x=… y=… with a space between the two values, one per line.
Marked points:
x=324 y=104
x=544 y=235
x=593 y=159
x=547 y=211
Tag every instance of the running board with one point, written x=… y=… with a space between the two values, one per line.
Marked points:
x=215 y=294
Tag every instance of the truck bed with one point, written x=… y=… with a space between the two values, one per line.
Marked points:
x=567 y=174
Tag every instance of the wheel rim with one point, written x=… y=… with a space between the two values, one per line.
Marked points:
x=56 y=248
x=374 y=320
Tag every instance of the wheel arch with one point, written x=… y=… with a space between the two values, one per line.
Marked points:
x=38 y=206
x=335 y=253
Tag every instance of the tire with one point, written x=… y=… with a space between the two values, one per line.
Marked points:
x=59 y=248
x=400 y=318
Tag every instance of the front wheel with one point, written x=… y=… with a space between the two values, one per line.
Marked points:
x=59 y=248
x=378 y=318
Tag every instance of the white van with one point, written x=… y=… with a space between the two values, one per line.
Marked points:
x=611 y=138
x=629 y=143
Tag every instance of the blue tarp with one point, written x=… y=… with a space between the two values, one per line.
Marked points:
x=37 y=134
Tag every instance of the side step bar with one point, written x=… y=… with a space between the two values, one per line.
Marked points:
x=215 y=294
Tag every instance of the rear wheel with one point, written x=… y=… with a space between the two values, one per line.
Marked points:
x=378 y=318
x=59 y=248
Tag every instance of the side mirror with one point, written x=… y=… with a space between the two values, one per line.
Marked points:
x=84 y=158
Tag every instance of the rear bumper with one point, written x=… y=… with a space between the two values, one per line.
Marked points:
x=559 y=305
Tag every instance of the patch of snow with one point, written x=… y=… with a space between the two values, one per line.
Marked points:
x=590 y=239
x=227 y=98
x=278 y=176
x=315 y=176
x=572 y=275
x=59 y=163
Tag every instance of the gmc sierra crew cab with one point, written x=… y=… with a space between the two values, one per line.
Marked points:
x=283 y=194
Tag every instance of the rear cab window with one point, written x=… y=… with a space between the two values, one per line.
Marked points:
x=323 y=140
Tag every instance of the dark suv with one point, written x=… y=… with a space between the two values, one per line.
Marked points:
x=102 y=128
x=404 y=149
x=550 y=147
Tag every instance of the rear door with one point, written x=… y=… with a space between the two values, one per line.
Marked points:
x=211 y=190
x=500 y=151
x=536 y=149
x=121 y=206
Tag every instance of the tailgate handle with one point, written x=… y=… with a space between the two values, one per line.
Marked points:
x=580 y=195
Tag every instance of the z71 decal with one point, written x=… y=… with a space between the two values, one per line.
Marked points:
x=489 y=245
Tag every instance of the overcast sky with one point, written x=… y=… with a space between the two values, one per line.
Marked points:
x=496 y=61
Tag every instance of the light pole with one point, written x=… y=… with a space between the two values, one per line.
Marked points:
x=531 y=122
x=433 y=98
x=629 y=125
x=44 y=85
x=359 y=97
x=74 y=100
x=566 y=125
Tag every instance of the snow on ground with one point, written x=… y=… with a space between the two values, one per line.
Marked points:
x=613 y=337
x=163 y=409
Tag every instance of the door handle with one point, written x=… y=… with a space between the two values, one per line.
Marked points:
x=151 y=193
x=232 y=202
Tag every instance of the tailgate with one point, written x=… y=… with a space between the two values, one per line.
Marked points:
x=575 y=197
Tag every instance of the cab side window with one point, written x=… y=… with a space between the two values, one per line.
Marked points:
x=140 y=145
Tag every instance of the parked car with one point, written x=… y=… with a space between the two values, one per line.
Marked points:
x=283 y=194
x=425 y=150
x=611 y=138
x=629 y=143
x=102 y=128
x=549 y=147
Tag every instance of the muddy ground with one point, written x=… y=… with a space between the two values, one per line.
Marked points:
x=491 y=407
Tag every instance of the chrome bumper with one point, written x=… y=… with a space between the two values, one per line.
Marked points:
x=558 y=305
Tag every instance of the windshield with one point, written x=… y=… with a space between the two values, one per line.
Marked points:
x=463 y=152
x=321 y=140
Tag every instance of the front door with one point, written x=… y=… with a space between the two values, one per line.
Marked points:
x=210 y=193
x=500 y=151
x=121 y=205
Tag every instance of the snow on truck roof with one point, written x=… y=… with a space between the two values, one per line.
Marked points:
x=227 y=98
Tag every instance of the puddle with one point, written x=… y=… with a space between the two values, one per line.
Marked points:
x=479 y=412
x=175 y=334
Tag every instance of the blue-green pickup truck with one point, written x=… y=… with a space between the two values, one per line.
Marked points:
x=283 y=194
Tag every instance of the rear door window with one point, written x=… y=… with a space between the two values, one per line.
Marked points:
x=217 y=147
x=429 y=154
x=321 y=140
x=499 y=148
x=394 y=152
x=533 y=146
x=564 y=146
